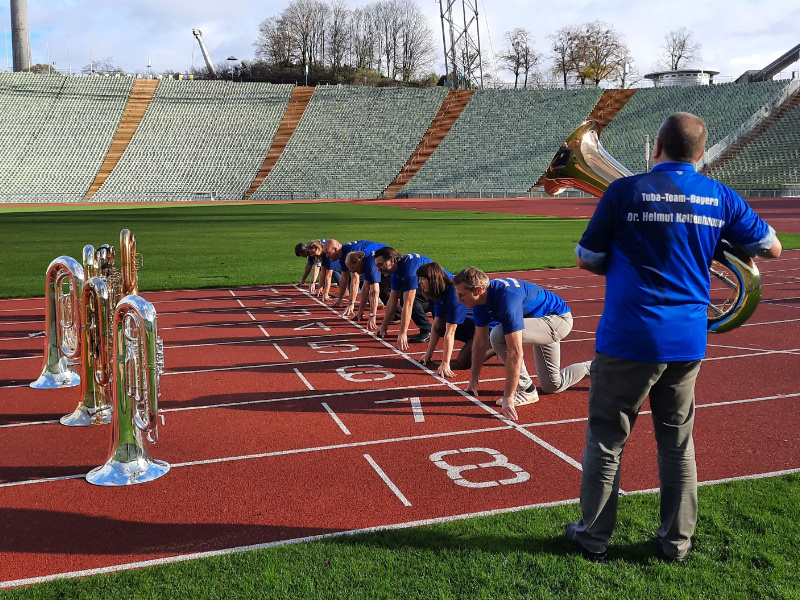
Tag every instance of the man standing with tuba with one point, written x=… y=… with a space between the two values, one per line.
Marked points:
x=653 y=237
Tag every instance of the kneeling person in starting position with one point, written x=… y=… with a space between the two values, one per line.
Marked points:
x=452 y=320
x=528 y=314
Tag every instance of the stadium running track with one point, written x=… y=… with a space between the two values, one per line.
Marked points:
x=286 y=422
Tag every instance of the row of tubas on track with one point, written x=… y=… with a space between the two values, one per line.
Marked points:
x=96 y=321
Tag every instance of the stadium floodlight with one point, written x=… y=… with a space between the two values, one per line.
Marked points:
x=462 y=48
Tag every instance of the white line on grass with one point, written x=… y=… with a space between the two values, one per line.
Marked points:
x=336 y=418
x=387 y=481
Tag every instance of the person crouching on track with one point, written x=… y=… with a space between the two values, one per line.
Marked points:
x=452 y=320
x=330 y=269
x=377 y=286
x=527 y=314
x=403 y=269
x=336 y=251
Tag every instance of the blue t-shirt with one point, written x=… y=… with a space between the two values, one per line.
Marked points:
x=449 y=308
x=656 y=235
x=364 y=246
x=332 y=265
x=510 y=301
x=405 y=277
x=371 y=273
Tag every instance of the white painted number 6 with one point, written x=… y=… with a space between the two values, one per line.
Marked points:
x=359 y=373
x=500 y=460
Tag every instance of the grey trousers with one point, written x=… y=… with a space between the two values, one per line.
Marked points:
x=618 y=390
x=545 y=334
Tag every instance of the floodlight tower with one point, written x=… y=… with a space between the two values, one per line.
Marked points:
x=462 y=43
x=206 y=56
x=20 y=35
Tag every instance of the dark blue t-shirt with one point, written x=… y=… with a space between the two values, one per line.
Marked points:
x=405 y=277
x=656 y=235
x=510 y=301
x=449 y=308
x=364 y=246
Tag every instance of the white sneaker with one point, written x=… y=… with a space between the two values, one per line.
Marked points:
x=521 y=398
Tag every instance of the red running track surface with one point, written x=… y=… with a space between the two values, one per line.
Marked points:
x=284 y=421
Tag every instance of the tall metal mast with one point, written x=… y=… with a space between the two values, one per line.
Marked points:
x=462 y=47
x=206 y=56
x=20 y=35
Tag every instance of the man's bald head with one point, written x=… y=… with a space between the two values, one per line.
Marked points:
x=682 y=138
x=332 y=249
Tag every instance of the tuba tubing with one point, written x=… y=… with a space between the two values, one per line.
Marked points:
x=63 y=345
x=582 y=163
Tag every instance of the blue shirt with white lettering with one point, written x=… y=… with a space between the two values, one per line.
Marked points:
x=511 y=300
x=656 y=233
x=405 y=277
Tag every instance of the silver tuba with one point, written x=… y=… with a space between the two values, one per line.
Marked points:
x=139 y=358
x=62 y=350
x=584 y=164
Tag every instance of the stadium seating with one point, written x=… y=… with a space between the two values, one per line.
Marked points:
x=723 y=107
x=771 y=161
x=198 y=140
x=503 y=141
x=55 y=132
x=351 y=142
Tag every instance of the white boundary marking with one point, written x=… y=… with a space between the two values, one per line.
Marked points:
x=416 y=410
x=304 y=380
x=336 y=418
x=325 y=536
x=264 y=331
x=566 y=458
x=282 y=353
x=387 y=481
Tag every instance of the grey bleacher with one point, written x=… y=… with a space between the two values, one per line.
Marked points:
x=769 y=162
x=351 y=142
x=503 y=140
x=723 y=107
x=55 y=132
x=198 y=140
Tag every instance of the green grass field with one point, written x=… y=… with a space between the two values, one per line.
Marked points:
x=748 y=537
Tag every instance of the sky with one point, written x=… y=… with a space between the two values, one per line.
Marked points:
x=736 y=35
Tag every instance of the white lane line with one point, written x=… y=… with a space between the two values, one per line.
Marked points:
x=264 y=331
x=239 y=301
x=249 y=314
x=387 y=481
x=336 y=418
x=416 y=409
x=7 y=425
x=300 y=375
x=282 y=353
x=566 y=458
x=274 y=291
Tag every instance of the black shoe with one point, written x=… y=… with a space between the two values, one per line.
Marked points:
x=420 y=338
x=598 y=557
x=663 y=556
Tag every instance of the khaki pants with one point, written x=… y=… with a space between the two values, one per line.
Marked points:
x=618 y=390
x=545 y=334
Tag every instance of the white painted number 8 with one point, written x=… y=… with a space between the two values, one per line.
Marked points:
x=500 y=460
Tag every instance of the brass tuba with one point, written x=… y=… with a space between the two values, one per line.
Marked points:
x=97 y=309
x=64 y=283
x=584 y=164
x=139 y=358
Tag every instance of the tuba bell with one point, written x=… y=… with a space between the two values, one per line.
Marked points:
x=64 y=283
x=139 y=364
x=582 y=163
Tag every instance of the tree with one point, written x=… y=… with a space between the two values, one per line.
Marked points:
x=104 y=66
x=567 y=51
x=275 y=44
x=679 y=50
x=605 y=52
x=417 y=41
x=338 y=35
x=519 y=56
